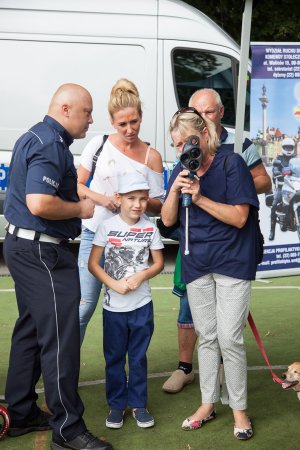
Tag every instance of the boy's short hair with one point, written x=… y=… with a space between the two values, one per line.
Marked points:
x=134 y=181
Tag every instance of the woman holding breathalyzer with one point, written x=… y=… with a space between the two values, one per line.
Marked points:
x=220 y=261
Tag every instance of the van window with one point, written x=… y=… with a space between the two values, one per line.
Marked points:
x=195 y=69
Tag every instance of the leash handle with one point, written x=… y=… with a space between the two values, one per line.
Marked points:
x=261 y=347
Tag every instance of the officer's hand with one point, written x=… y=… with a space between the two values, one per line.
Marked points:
x=87 y=207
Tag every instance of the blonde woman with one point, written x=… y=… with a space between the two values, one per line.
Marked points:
x=220 y=264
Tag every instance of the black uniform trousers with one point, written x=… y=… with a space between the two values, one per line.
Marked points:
x=46 y=334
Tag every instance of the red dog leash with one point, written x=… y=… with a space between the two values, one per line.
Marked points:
x=223 y=387
x=261 y=347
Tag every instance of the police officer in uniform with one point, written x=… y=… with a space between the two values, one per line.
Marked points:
x=43 y=211
x=288 y=149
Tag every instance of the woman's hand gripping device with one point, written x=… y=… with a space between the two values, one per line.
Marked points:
x=191 y=159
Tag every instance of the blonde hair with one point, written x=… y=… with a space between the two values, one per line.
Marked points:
x=188 y=123
x=124 y=94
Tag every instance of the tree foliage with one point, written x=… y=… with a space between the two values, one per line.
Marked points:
x=272 y=20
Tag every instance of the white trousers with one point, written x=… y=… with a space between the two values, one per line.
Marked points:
x=220 y=307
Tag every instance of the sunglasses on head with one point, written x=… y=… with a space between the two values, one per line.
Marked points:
x=188 y=109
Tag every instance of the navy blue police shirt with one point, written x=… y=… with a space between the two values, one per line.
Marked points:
x=42 y=164
x=214 y=246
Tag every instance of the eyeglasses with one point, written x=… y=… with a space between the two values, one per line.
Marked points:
x=211 y=112
x=189 y=109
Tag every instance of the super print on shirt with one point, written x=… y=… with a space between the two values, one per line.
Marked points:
x=121 y=258
x=127 y=252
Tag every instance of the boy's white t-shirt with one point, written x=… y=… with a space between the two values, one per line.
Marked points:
x=110 y=167
x=127 y=252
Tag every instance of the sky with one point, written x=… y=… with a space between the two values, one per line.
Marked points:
x=284 y=97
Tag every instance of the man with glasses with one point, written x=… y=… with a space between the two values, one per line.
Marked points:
x=209 y=104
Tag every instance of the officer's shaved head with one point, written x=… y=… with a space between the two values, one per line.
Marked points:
x=72 y=106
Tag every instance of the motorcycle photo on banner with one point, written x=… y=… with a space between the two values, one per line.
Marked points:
x=285 y=201
x=275 y=129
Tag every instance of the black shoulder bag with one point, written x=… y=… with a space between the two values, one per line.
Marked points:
x=96 y=156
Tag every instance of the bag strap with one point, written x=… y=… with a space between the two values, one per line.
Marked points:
x=96 y=156
x=227 y=159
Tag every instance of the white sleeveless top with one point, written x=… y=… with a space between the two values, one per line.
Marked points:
x=111 y=165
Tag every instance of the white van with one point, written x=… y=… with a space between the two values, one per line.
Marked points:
x=168 y=48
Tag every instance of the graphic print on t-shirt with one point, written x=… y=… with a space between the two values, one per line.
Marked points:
x=127 y=253
x=127 y=249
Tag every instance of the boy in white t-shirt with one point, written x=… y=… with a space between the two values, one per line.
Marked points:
x=127 y=239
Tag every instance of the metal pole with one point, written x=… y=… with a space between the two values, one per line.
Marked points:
x=242 y=82
x=186 y=250
x=239 y=130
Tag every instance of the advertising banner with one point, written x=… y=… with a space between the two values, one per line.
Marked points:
x=275 y=129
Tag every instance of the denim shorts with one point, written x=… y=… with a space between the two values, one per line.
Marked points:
x=184 y=316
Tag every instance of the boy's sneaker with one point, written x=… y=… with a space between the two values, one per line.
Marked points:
x=143 y=417
x=115 y=418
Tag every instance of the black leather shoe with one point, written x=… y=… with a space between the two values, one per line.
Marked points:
x=39 y=423
x=85 y=441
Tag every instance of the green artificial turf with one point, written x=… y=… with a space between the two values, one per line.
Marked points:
x=274 y=412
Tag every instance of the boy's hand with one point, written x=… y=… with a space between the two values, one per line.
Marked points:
x=134 y=281
x=121 y=286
